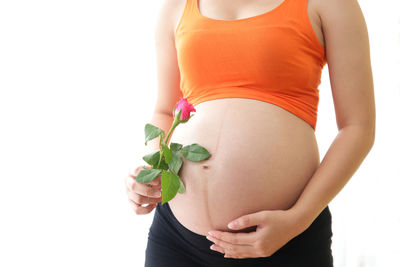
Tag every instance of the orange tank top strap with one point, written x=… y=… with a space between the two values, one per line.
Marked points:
x=187 y=14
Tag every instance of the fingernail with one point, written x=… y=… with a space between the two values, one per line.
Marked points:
x=233 y=224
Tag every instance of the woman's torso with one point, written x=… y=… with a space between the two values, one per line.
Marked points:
x=262 y=158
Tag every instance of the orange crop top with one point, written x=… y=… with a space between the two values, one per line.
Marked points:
x=274 y=57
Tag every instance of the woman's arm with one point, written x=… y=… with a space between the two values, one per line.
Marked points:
x=168 y=75
x=348 y=58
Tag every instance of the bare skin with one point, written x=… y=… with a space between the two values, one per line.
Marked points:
x=263 y=156
x=239 y=9
x=257 y=164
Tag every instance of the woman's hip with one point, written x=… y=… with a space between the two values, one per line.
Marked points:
x=172 y=244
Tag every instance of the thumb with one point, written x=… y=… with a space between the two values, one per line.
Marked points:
x=247 y=220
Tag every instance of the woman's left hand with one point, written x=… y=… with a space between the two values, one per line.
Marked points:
x=274 y=229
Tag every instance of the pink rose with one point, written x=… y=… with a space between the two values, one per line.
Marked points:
x=186 y=109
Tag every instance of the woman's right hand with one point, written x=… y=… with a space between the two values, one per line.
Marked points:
x=140 y=194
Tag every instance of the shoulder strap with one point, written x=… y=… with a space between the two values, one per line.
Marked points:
x=188 y=12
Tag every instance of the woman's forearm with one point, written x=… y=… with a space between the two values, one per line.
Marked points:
x=344 y=156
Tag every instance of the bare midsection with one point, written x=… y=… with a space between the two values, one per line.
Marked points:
x=261 y=158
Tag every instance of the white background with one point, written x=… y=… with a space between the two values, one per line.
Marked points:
x=77 y=85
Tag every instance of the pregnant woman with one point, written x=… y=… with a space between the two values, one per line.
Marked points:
x=252 y=68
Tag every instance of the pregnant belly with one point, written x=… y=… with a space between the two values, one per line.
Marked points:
x=262 y=157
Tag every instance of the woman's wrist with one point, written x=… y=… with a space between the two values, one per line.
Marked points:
x=302 y=219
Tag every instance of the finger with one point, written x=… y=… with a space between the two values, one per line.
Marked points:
x=248 y=220
x=139 y=199
x=156 y=181
x=217 y=248
x=232 y=248
x=236 y=238
x=134 y=171
x=130 y=185
x=233 y=256
x=144 y=190
x=239 y=256
x=139 y=209
x=129 y=180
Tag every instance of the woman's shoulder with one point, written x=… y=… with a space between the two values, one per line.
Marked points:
x=169 y=15
x=333 y=8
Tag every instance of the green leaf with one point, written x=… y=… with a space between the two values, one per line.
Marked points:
x=153 y=158
x=167 y=153
x=182 y=188
x=176 y=162
x=163 y=164
x=195 y=152
x=169 y=185
x=149 y=158
x=151 y=132
x=146 y=176
x=175 y=146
